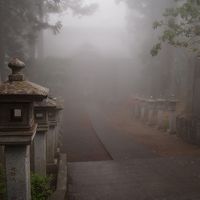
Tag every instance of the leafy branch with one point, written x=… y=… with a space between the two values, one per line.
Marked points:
x=180 y=27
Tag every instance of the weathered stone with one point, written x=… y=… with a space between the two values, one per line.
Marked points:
x=18 y=128
x=52 y=136
x=61 y=187
x=51 y=145
x=40 y=158
x=17 y=160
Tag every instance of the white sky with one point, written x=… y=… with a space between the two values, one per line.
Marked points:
x=105 y=30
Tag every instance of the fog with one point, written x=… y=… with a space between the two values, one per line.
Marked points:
x=112 y=45
x=122 y=105
x=104 y=32
x=98 y=49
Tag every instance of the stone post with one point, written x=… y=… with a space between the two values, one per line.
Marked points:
x=18 y=171
x=59 y=108
x=172 y=116
x=40 y=153
x=51 y=145
x=52 y=134
x=161 y=105
x=18 y=128
x=151 y=112
x=40 y=141
x=144 y=110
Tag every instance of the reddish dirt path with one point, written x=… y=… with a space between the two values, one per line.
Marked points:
x=160 y=142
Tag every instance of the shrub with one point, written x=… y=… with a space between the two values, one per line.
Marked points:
x=40 y=187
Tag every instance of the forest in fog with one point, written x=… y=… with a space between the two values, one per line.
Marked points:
x=113 y=49
x=99 y=99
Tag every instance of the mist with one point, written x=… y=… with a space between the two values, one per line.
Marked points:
x=104 y=32
x=99 y=99
x=98 y=49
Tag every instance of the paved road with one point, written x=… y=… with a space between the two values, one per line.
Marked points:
x=138 y=179
x=120 y=145
x=135 y=173
x=79 y=139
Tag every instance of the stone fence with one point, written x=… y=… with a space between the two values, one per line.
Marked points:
x=162 y=113
x=30 y=139
x=156 y=112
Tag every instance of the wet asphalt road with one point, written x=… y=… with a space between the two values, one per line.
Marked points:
x=135 y=173
x=79 y=139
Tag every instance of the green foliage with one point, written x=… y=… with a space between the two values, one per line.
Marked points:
x=40 y=187
x=180 y=27
x=21 y=22
x=2 y=183
x=156 y=48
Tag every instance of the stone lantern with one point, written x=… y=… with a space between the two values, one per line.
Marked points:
x=40 y=142
x=51 y=136
x=18 y=128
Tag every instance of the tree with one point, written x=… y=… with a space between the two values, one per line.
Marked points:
x=152 y=74
x=180 y=27
x=22 y=20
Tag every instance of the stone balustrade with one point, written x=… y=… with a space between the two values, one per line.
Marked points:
x=156 y=112
x=162 y=114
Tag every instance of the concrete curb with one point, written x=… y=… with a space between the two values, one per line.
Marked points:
x=61 y=188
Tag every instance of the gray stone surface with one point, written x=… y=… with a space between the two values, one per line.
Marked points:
x=18 y=172
x=138 y=179
x=51 y=145
x=61 y=179
x=55 y=133
x=40 y=158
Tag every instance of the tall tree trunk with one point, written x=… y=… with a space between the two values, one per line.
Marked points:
x=40 y=40
x=40 y=45
x=2 y=39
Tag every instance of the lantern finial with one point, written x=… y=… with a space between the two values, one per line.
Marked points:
x=16 y=66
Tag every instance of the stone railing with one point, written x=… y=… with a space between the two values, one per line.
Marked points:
x=29 y=133
x=162 y=113
x=156 y=112
x=188 y=128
